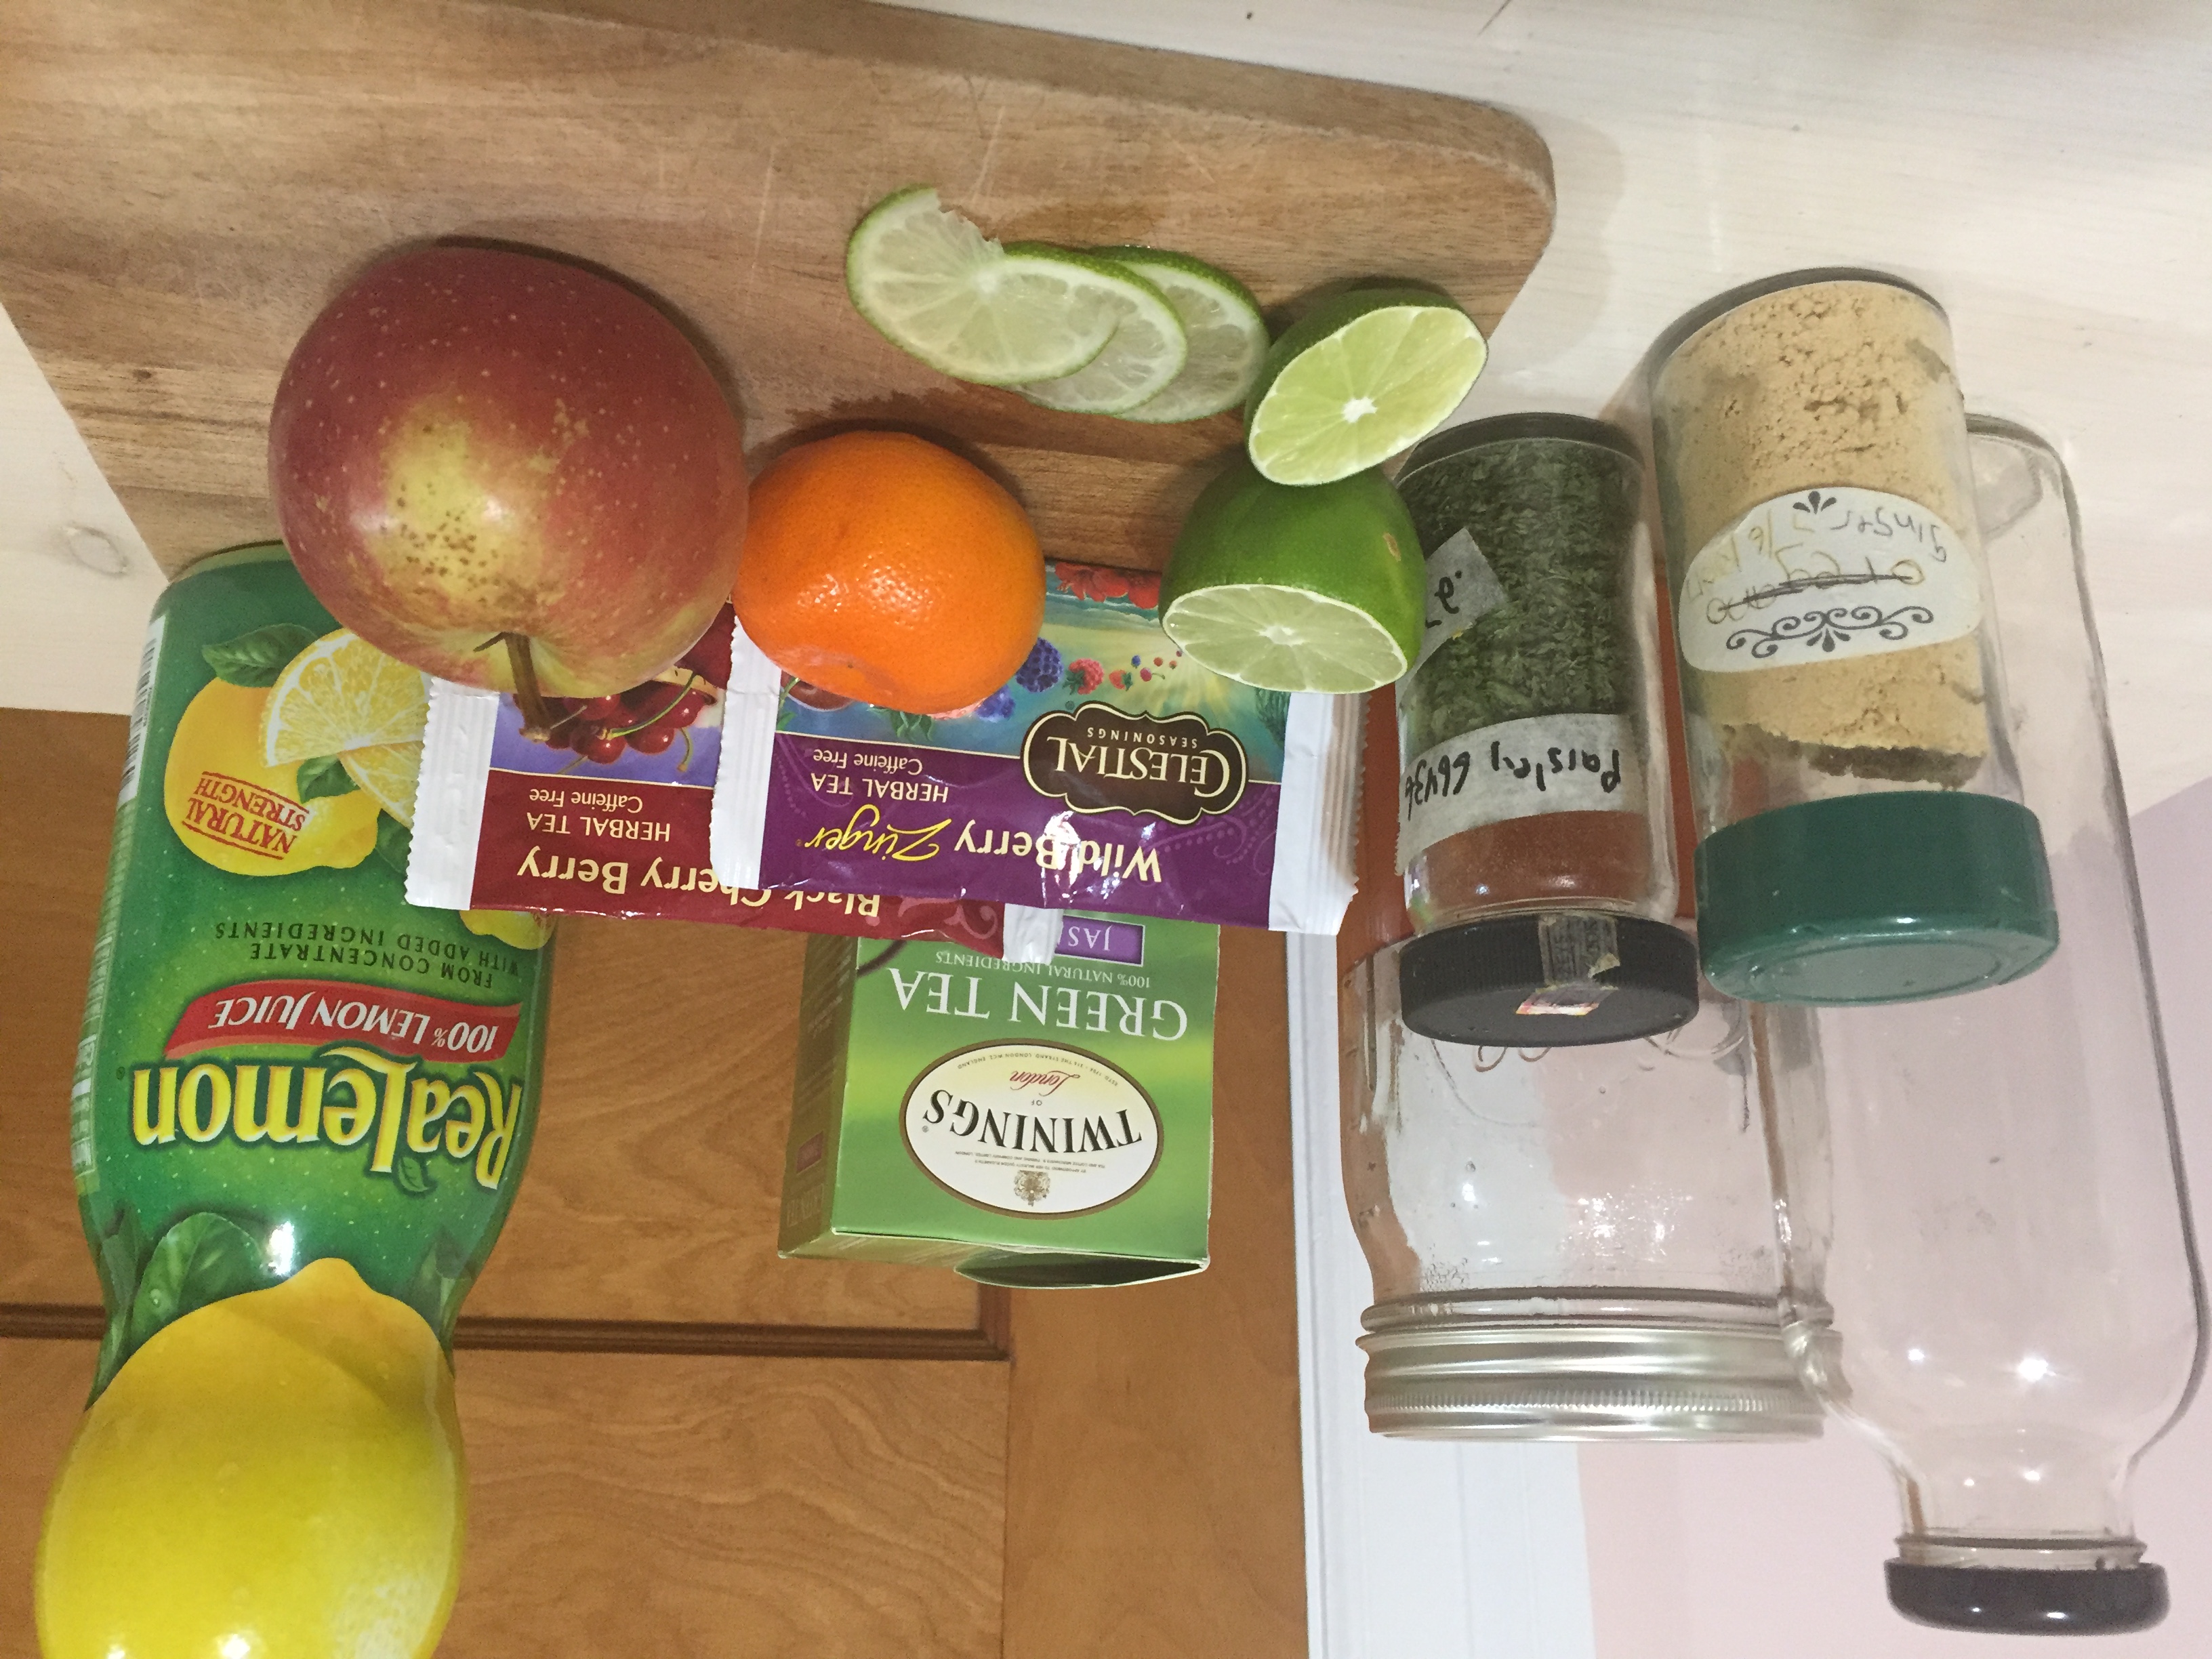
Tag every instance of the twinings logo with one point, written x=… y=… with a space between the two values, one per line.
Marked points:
x=1031 y=1128
x=1098 y=759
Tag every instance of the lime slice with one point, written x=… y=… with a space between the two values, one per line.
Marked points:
x=1359 y=377
x=938 y=288
x=1291 y=589
x=1146 y=353
x=1227 y=337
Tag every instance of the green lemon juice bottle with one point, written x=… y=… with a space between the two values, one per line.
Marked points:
x=300 y=1111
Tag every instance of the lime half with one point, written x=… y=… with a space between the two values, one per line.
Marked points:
x=1285 y=639
x=1146 y=353
x=938 y=288
x=1318 y=589
x=1221 y=319
x=1359 y=377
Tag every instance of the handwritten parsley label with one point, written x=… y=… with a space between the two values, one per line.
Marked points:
x=1824 y=575
x=1548 y=763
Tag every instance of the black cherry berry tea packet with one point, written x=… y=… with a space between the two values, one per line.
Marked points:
x=610 y=814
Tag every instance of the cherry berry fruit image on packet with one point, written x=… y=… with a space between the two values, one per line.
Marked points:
x=1112 y=772
x=608 y=814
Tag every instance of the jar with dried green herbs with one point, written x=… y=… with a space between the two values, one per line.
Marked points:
x=1861 y=835
x=1533 y=825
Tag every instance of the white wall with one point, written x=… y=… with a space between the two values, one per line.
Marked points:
x=76 y=580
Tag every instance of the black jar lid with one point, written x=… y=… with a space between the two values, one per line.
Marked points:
x=2030 y=1600
x=1552 y=979
x=1542 y=425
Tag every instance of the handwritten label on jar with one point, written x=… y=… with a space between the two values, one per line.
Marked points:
x=1547 y=763
x=1462 y=587
x=1824 y=575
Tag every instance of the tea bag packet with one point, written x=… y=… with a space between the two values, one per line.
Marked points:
x=1112 y=772
x=608 y=814
x=1029 y=1124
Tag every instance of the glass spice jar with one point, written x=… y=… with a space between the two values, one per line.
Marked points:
x=1861 y=834
x=1376 y=915
x=1568 y=1243
x=1533 y=826
x=1988 y=1261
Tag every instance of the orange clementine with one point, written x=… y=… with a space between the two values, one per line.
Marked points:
x=884 y=567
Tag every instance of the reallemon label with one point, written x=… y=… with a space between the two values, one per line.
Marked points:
x=1032 y=1129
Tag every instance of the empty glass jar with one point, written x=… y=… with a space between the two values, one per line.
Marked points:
x=1566 y=1243
x=1989 y=1269
x=1861 y=834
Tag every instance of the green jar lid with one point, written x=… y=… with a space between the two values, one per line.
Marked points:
x=1890 y=897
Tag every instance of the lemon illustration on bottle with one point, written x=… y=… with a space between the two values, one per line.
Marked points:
x=275 y=1474
x=284 y=761
x=241 y=814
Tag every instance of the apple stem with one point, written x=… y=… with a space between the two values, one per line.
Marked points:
x=537 y=718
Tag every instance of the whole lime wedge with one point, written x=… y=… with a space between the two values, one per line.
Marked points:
x=1296 y=589
x=1361 y=376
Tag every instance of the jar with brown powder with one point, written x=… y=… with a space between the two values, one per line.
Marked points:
x=1861 y=836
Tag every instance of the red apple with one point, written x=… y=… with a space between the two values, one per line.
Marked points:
x=493 y=465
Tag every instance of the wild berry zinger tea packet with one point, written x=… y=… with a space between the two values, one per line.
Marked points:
x=1112 y=772
x=608 y=815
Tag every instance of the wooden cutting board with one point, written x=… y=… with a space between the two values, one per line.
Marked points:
x=185 y=182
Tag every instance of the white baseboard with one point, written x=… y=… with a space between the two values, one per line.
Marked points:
x=1414 y=1550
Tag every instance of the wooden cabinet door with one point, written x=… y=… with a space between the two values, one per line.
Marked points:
x=679 y=1445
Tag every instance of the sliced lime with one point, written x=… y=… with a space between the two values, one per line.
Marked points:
x=1285 y=639
x=938 y=287
x=1359 y=377
x=1147 y=351
x=1318 y=589
x=1227 y=337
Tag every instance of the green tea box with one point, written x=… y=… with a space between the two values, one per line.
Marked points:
x=1024 y=1123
